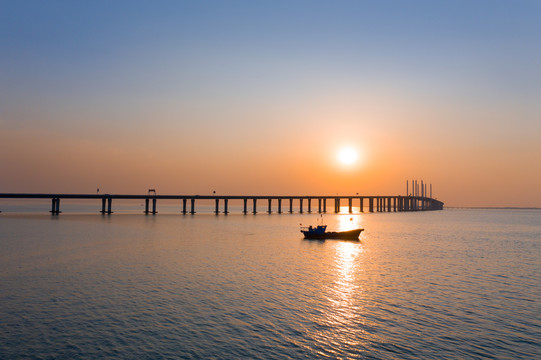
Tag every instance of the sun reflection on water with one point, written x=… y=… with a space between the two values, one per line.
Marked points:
x=342 y=319
x=346 y=268
x=348 y=222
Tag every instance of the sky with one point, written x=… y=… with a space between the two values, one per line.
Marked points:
x=258 y=97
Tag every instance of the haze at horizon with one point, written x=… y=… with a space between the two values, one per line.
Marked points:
x=252 y=97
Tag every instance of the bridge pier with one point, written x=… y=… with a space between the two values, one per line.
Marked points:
x=109 y=205
x=389 y=204
x=192 y=209
x=290 y=205
x=255 y=206
x=279 y=206
x=371 y=204
x=55 y=206
x=269 y=210
x=324 y=205
x=309 y=205
x=300 y=205
x=147 y=201
x=184 y=206
x=154 y=212
x=245 y=211
x=103 y=201
x=217 y=206
x=361 y=206
x=225 y=206
x=337 y=205
x=319 y=205
x=350 y=205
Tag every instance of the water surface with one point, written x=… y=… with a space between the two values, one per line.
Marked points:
x=456 y=283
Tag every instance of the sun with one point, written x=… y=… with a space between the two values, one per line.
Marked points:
x=347 y=156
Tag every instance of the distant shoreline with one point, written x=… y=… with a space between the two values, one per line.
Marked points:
x=493 y=207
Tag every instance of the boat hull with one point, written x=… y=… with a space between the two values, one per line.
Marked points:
x=342 y=235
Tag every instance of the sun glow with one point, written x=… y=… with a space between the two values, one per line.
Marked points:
x=347 y=156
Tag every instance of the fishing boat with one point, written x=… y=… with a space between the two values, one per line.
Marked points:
x=320 y=232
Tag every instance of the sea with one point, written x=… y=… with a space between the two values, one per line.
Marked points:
x=451 y=284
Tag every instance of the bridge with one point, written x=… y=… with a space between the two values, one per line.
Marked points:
x=281 y=204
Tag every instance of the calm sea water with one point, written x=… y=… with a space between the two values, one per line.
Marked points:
x=450 y=284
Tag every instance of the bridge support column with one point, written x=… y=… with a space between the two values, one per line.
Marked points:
x=371 y=204
x=55 y=206
x=245 y=211
x=184 y=206
x=269 y=210
x=388 y=204
x=324 y=205
x=300 y=205
x=225 y=206
x=109 y=205
x=337 y=205
x=192 y=209
x=279 y=206
x=309 y=205
x=290 y=205
x=255 y=206
x=154 y=212
x=350 y=205
x=319 y=205
x=103 y=201
x=361 y=206
x=147 y=201
x=217 y=206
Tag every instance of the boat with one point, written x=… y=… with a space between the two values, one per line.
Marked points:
x=320 y=232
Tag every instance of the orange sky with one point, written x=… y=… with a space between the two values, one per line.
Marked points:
x=259 y=101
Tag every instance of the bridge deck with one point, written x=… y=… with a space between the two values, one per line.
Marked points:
x=381 y=202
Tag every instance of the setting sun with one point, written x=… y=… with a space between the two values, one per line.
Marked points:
x=347 y=156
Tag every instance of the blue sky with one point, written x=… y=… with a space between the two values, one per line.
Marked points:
x=260 y=72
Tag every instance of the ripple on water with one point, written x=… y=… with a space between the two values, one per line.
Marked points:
x=436 y=285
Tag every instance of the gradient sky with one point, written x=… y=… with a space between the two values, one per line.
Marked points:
x=256 y=97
